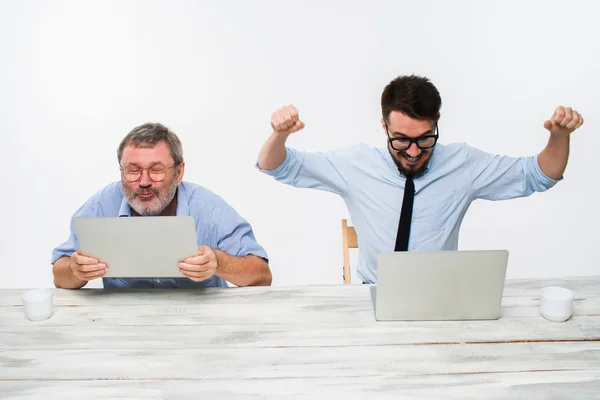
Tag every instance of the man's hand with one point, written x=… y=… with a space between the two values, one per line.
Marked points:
x=564 y=121
x=86 y=268
x=201 y=267
x=285 y=121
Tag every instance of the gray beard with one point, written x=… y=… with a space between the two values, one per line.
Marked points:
x=145 y=208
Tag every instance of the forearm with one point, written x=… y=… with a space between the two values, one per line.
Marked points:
x=273 y=152
x=63 y=275
x=553 y=159
x=243 y=271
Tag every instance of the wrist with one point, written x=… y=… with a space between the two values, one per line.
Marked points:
x=559 y=138
x=219 y=257
x=280 y=137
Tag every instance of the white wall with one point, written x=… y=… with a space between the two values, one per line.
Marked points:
x=76 y=76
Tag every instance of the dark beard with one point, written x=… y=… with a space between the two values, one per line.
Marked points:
x=415 y=173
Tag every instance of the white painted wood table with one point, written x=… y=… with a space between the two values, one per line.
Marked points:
x=314 y=341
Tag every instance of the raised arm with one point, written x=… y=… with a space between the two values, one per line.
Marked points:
x=284 y=122
x=553 y=159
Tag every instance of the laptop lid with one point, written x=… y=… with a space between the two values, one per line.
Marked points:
x=138 y=247
x=444 y=285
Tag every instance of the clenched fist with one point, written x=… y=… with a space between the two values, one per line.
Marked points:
x=564 y=121
x=285 y=121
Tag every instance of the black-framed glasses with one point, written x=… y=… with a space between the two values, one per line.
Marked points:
x=423 y=142
x=157 y=173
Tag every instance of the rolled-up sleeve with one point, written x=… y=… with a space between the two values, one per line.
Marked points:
x=72 y=244
x=236 y=236
x=497 y=177
x=318 y=170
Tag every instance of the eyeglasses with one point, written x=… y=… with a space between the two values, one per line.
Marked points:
x=156 y=173
x=423 y=142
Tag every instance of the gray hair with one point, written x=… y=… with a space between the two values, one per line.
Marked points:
x=149 y=135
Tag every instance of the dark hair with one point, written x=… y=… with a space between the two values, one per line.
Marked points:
x=413 y=96
x=149 y=135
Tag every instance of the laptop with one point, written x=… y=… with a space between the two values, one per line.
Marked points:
x=443 y=285
x=138 y=247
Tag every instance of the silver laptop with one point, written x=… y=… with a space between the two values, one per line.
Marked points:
x=444 y=285
x=138 y=247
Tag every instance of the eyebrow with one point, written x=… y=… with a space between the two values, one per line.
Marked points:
x=154 y=164
x=403 y=135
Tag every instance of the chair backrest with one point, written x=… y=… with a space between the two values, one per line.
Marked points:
x=349 y=241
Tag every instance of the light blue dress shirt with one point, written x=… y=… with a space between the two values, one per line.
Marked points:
x=217 y=226
x=372 y=187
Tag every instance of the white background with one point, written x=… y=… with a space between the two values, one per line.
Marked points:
x=76 y=76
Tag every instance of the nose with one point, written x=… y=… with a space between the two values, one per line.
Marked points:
x=413 y=150
x=145 y=180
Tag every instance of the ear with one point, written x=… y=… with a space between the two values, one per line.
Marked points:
x=435 y=122
x=180 y=171
x=383 y=125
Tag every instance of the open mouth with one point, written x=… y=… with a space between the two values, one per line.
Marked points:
x=412 y=160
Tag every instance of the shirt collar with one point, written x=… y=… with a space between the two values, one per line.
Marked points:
x=124 y=210
x=183 y=205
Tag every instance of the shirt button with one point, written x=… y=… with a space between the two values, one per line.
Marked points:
x=414 y=247
x=158 y=281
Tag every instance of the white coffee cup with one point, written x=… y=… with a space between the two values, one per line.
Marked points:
x=37 y=304
x=556 y=303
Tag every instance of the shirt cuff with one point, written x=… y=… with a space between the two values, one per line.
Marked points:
x=57 y=254
x=541 y=177
x=277 y=172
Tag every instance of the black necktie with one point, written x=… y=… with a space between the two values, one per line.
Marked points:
x=405 y=215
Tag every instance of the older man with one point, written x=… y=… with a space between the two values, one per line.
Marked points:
x=152 y=167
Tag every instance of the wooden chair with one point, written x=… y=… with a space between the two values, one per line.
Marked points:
x=349 y=241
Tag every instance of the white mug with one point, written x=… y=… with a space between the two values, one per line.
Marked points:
x=556 y=303
x=37 y=304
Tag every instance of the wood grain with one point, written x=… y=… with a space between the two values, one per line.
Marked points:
x=583 y=286
x=541 y=385
x=297 y=362
x=317 y=341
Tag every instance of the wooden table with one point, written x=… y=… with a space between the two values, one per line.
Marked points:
x=313 y=341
